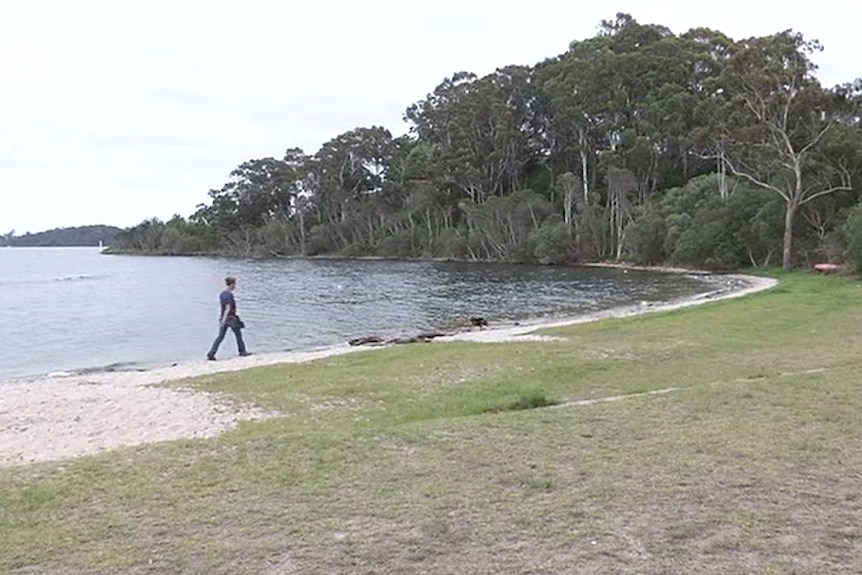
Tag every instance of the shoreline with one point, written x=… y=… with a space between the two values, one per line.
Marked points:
x=59 y=416
x=732 y=286
x=175 y=368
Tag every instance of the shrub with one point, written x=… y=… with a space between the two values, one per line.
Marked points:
x=553 y=243
x=853 y=238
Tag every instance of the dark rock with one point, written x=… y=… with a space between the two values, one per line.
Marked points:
x=373 y=339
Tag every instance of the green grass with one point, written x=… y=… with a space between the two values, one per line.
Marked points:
x=440 y=458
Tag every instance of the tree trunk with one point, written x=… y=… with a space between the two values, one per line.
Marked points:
x=582 y=141
x=722 y=177
x=789 y=214
x=787 y=247
x=301 y=232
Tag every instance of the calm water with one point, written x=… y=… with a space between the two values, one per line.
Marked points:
x=75 y=308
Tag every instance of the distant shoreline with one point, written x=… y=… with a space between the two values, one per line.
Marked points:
x=72 y=237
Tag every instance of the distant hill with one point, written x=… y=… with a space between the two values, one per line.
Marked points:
x=64 y=237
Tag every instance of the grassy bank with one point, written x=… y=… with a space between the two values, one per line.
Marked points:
x=433 y=458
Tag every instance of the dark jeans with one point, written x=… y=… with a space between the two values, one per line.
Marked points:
x=240 y=344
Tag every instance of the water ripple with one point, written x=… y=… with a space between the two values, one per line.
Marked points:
x=71 y=309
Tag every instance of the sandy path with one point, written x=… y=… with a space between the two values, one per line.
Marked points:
x=61 y=416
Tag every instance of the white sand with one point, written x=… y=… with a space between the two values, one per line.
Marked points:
x=67 y=415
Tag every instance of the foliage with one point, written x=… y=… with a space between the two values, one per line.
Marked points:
x=780 y=121
x=693 y=226
x=554 y=243
x=853 y=238
x=174 y=237
x=602 y=138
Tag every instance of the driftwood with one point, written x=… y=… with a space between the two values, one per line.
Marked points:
x=374 y=340
x=369 y=340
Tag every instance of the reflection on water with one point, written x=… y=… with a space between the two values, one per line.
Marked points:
x=72 y=308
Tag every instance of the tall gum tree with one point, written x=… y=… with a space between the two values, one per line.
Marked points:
x=483 y=130
x=779 y=120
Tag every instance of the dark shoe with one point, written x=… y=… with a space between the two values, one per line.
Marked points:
x=245 y=354
x=210 y=357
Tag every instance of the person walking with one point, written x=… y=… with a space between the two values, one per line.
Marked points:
x=228 y=318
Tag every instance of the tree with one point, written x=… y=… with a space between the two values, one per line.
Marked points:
x=621 y=185
x=709 y=123
x=781 y=118
x=571 y=187
x=483 y=131
x=145 y=237
x=355 y=190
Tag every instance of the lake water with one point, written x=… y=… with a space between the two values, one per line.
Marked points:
x=75 y=308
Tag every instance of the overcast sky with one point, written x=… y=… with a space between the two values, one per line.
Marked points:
x=113 y=111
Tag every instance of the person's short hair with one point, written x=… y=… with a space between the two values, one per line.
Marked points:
x=229 y=281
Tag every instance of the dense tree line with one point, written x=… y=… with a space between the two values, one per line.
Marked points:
x=81 y=236
x=636 y=144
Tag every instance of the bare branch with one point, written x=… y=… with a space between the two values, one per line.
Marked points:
x=826 y=192
x=759 y=112
x=817 y=138
x=756 y=181
x=792 y=91
x=844 y=186
x=785 y=164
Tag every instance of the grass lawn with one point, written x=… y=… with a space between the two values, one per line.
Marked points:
x=448 y=458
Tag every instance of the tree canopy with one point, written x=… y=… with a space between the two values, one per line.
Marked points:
x=636 y=144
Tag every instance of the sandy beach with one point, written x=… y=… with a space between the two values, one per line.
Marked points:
x=65 y=415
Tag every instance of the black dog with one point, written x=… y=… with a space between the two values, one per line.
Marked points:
x=480 y=322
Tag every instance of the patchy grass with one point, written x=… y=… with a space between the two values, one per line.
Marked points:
x=533 y=400
x=406 y=460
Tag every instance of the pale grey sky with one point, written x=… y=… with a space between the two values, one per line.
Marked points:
x=113 y=111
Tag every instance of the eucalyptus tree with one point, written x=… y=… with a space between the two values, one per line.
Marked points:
x=709 y=118
x=351 y=177
x=621 y=114
x=505 y=228
x=781 y=119
x=429 y=204
x=446 y=120
x=258 y=191
x=483 y=130
x=573 y=85
x=622 y=187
